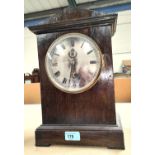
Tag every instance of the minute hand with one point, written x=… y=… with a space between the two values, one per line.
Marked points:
x=73 y=69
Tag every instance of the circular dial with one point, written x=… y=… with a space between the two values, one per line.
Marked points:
x=73 y=62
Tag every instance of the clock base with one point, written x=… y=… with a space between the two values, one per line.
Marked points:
x=106 y=135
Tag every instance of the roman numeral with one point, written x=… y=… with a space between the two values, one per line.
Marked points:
x=93 y=62
x=64 y=81
x=54 y=64
x=72 y=42
x=90 y=51
x=56 y=54
x=74 y=84
x=82 y=44
x=63 y=46
x=57 y=73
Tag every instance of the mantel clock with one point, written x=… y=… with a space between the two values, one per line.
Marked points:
x=76 y=78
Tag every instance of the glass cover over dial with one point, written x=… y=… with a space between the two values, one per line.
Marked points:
x=73 y=62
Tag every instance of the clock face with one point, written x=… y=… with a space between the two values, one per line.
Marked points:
x=73 y=62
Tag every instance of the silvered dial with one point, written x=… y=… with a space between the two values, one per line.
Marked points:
x=73 y=62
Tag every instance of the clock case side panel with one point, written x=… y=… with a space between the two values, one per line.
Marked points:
x=43 y=42
x=95 y=106
x=103 y=38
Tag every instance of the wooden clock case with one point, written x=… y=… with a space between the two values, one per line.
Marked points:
x=92 y=112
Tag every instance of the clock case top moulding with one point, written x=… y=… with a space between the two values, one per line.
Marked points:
x=92 y=113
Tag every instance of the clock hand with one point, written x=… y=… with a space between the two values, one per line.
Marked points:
x=73 y=63
x=73 y=69
x=70 y=73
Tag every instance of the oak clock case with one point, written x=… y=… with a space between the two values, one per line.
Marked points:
x=72 y=105
x=73 y=63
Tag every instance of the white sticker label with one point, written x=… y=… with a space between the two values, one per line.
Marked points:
x=72 y=136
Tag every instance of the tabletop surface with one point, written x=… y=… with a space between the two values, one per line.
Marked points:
x=32 y=120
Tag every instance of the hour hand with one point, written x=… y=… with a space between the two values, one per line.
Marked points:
x=73 y=70
x=70 y=74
